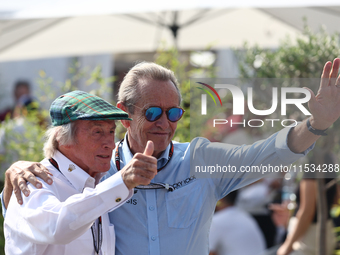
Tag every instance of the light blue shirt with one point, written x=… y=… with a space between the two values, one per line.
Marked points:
x=158 y=221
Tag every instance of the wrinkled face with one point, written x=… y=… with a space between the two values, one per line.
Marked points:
x=153 y=93
x=94 y=142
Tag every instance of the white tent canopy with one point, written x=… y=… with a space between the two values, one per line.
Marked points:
x=24 y=9
x=94 y=27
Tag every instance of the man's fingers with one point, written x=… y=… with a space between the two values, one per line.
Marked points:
x=142 y=180
x=135 y=177
x=17 y=193
x=32 y=179
x=19 y=188
x=139 y=158
x=37 y=169
x=143 y=176
x=147 y=169
x=23 y=176
x=141 y=169
x=43 y=173
x=149 y=148
x=146 y=166
x=23 y=187
x=337 y=83
x=325 y=74
x=149 y=174
x=335 y=70
x=17 y=176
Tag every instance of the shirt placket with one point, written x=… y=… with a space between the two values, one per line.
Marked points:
x=154 y=246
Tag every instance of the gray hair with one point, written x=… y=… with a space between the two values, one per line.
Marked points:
x=129 y=92
x=60 y=135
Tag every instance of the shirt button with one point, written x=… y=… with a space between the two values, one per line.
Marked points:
x=151 y=208
x=118 y=199
x=153 y=238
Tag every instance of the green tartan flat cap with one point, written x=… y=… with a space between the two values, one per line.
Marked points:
x=79 y=105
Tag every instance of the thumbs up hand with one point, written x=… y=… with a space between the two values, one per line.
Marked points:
x=141 y=169
x=149 y=149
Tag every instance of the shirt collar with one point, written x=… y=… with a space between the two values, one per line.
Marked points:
x=76 y=176
x=127 y=154
x=164 y=158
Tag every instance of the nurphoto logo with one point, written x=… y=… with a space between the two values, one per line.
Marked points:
x=238 y=103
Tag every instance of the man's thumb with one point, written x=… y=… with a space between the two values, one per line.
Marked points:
x=149 y=149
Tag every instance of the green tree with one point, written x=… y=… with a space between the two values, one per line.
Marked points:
x=303 y=58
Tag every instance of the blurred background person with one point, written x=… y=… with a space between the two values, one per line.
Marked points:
x=233 y=231
x=255 y=199
x=23 y=98
x=302 y=238
x=19 y=129
x=23 y=101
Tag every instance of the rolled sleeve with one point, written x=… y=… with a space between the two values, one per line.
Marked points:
x=282 y=149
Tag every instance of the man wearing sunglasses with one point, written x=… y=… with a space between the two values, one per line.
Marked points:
x=172 y=215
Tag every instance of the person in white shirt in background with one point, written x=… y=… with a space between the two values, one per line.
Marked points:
x=234 y=232
x=71 y=216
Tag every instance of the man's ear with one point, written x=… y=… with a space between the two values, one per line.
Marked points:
x=126 y=123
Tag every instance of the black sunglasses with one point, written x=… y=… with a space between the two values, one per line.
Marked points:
x=153 y=113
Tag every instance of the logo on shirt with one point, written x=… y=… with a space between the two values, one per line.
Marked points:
x=132 y=201
x=71 y=168
x=184 y=182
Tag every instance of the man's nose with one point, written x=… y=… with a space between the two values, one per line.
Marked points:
x=109 y=142
x=163 y=121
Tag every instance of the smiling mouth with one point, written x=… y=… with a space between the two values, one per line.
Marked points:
x=103 y=156
x=156 y=133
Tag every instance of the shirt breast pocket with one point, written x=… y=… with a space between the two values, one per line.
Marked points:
x=183 y=206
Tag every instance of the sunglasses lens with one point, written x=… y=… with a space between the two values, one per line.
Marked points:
x=174 y=114
x=153 y=113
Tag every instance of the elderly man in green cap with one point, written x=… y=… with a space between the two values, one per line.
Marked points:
x=71 y=215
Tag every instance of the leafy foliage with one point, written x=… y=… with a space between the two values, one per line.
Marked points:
x=303 y=58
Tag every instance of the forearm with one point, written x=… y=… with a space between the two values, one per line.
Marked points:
x=262 y=157
x=306 y=211
x=273 y=151
x=300 y=138
x=304 y=219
